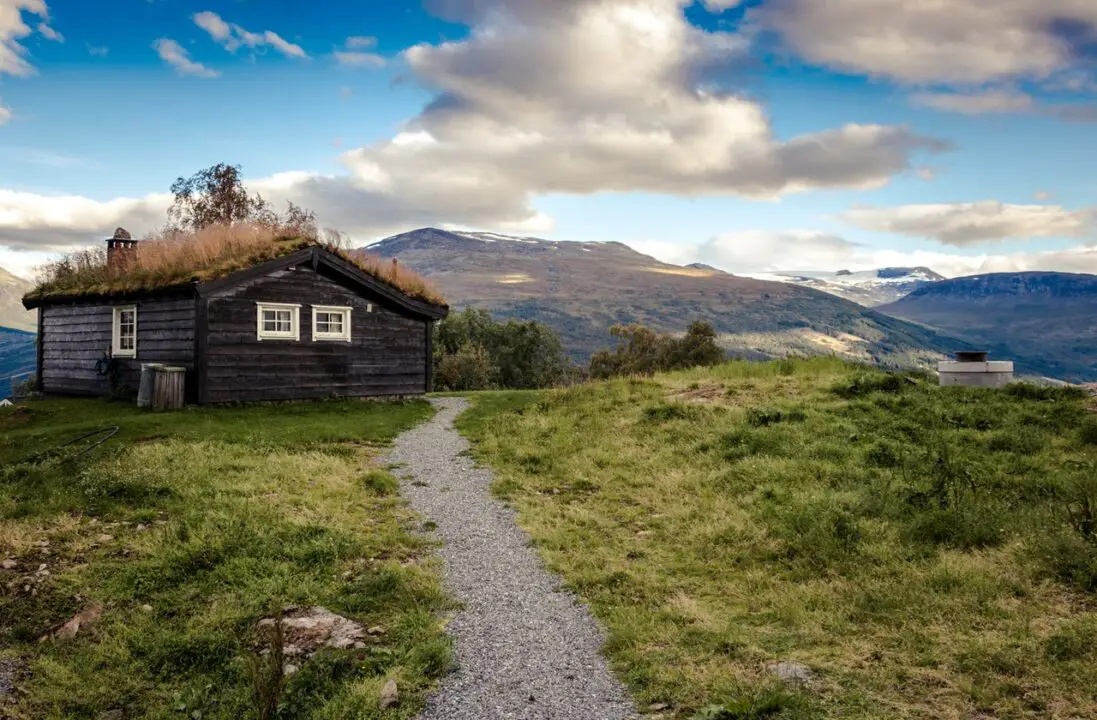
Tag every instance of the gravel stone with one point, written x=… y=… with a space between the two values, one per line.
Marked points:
x=525 y=649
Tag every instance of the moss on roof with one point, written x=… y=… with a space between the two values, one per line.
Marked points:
x=212 y=254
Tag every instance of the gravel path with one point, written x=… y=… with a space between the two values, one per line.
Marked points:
x=524 y=649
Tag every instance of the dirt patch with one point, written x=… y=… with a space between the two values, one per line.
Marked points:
x=705 y=394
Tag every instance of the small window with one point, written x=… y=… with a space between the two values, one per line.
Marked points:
x=330 y=323
x=124 y=334
x=278 y=321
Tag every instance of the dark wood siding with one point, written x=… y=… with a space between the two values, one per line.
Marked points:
x=74 y=337
x=386 y=355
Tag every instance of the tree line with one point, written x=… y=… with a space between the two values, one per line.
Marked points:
x=473 y=351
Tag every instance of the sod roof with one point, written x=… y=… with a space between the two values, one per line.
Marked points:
x=193 y=259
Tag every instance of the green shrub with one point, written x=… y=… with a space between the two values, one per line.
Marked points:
x=1076 y=641
x=472 y=351
x=642 y=351
x=469 y=368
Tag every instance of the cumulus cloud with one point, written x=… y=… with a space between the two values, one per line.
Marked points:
x=963 y=224
x=232 y=37
x=13 y=28
x=177 y=56
x=50 y=223
x=960 y=41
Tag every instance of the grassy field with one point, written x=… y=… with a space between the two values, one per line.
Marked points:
x=926 y=552
x=186 y=529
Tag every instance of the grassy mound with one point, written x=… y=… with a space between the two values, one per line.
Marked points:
x=924 y=551
x=186 y=529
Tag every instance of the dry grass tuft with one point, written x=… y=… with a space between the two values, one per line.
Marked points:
x=173 y=257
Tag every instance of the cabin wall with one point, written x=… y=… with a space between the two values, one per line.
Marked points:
x=74 y=337
x=387 y=355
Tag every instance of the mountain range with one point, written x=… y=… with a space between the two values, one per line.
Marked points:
x=867 y=287
x=581 y=289
x=1045 y=321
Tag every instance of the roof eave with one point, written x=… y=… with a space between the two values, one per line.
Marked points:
x=31 y=302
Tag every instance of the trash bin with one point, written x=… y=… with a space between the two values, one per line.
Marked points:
x=168 y=387
x=148 y=381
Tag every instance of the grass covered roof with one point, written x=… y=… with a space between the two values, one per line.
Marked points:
x=175 y=258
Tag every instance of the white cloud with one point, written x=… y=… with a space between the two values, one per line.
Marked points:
x=976 y=103
x=49 y=223
x=959 y=41
x=763 y=252
x=352 y=58
x=13 y=28
x=1041 y=195
x=537 y=100
x=231 y=36
x=49 y=33
x=177 y=56
x=360 y=42
x=96 y=51
x=5 y=113
x=962 y=224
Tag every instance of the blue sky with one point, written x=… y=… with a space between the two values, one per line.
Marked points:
x=759 y=136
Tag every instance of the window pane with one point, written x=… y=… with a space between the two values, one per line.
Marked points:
x=277 y=321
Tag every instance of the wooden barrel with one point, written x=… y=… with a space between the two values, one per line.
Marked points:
x=167 y=391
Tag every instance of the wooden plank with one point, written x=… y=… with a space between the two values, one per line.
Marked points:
x=201 y=335
x=39 y=358
x=430 y=355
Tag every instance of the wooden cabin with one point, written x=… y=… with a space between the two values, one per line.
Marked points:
x=309 y=324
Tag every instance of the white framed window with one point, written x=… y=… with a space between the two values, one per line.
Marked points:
x=277 y=321
x=123 y=341
x=330 y=322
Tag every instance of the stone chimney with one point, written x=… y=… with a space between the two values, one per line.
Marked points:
x=119 y=248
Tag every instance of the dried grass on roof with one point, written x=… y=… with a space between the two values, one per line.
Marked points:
x=172 y=258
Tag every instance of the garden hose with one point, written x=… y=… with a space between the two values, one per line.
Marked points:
x=106 y=432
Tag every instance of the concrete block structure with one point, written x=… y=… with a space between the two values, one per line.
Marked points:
x=972 y=369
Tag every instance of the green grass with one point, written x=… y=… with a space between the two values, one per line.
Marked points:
x=928 y=552
x=189 y=527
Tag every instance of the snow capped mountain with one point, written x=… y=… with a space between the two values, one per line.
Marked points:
x=867 y=287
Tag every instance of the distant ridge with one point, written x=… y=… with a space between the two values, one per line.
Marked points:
x=583 y=288
x=1046 y=321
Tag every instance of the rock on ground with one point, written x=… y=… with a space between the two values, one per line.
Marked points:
x=306 y=630
x=525 y=650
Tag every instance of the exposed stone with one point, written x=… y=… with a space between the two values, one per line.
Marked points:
x=9 y=564
x=390 y=695
x=792 y=673
x=10 y=671
x=79 y=621
x=146 y=608
x=376 y=630
x=306 y=630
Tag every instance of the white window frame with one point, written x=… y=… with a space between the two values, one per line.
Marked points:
x=116 y=349
x=344 y=336
x=294 y=332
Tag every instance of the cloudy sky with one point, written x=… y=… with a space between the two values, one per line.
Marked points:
x=754 y=135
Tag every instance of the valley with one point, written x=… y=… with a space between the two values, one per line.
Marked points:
x=1044 y=321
